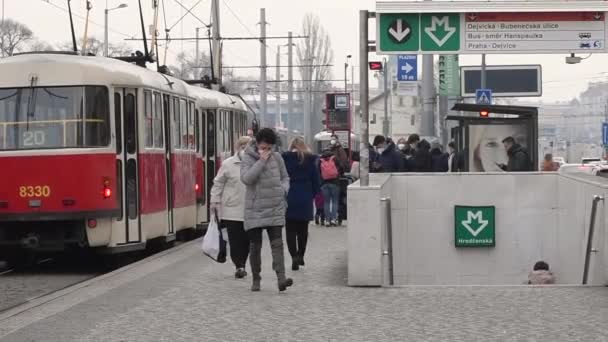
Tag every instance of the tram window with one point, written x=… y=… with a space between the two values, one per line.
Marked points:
x=158 y=121
x=176 y=125
x=130 y=122
x=191 y=130
x=149 y=134
x=118 y=121
x=184 y=124
x=54 y=117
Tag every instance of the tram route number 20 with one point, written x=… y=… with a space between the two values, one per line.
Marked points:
x=34 y=138
x=34 y=191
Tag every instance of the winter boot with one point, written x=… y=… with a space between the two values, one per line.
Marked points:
x=255 y=260
x=278 y=264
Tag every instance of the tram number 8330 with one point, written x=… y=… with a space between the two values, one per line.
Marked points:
x=34 y=191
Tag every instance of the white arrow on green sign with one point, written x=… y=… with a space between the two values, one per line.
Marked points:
x=441 y=32
x=474 y=226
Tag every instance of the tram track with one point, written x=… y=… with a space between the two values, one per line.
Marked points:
x=18 y=286
x=45 y=276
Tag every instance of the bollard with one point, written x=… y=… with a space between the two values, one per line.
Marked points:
x=590 y=249
x=387 y=243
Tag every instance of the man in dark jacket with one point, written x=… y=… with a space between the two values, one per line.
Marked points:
x=519 y=159
x=422 y=157
x=389 y=158
x=439 y=160
x=455 y=159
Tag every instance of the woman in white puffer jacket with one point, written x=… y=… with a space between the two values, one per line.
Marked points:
x=228 y=197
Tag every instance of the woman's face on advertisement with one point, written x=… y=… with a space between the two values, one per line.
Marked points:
x=491 y=153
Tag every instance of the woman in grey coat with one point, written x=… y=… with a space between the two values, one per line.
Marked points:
x=265 y=177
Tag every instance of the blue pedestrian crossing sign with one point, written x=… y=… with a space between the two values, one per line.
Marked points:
x=407 y=68
x=605 y=134
x=483 y=96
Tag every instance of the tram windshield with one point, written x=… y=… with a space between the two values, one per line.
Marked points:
x=54 y=117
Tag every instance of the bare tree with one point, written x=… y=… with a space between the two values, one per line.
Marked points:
x=316 y=51
x=95 y=47
x=13 y=35
x=39 y=45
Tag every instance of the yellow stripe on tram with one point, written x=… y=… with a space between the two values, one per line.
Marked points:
x=34 y=122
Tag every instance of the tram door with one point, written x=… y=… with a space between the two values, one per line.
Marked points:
x=167 y=110
x=211 y=156
x=130 y=166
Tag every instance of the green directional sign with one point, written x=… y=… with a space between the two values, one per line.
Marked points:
x=475 y=226
x=399 y=32
x=440 y=32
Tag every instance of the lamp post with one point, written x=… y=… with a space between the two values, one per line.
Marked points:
x=348 y=57
x=105 y=38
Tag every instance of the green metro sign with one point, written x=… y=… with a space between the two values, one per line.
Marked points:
x=475 y=226
x=441 y=32
x=435 y=32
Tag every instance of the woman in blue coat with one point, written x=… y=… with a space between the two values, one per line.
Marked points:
x=304 y=184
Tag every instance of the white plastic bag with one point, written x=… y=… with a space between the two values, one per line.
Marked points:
x=214 y=245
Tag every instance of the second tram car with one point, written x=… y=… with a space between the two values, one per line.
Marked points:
x=99 y=153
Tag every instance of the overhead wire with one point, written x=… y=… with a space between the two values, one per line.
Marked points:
x=247 y=28
x=82 y=17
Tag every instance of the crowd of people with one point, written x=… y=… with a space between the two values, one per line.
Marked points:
x=416 y=155
x=260 y=190
x=413 y=155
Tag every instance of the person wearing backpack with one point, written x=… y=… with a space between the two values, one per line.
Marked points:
x=330 y=171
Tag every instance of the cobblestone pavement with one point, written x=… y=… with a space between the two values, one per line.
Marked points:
x=195 y=299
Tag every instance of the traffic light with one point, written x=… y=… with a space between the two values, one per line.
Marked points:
x=484 y=113
x=375 y=66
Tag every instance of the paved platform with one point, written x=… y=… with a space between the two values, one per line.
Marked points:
x=180 y=295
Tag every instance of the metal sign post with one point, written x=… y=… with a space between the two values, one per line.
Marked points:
x=364 y=16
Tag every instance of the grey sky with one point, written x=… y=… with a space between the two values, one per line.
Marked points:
x=339 y=17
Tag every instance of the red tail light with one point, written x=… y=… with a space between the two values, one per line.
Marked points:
x=196 y=187
x=107 y=192
x=92 y=223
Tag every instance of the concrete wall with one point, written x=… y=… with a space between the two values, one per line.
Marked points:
x=538 y=216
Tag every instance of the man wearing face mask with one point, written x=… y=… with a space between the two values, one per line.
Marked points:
x=389 y=158
x=407 y=153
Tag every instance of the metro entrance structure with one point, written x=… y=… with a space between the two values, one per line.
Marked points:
x=483 y=226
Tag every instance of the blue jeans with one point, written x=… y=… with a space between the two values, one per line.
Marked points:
x=331 y=194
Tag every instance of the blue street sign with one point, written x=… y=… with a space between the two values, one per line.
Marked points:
x=407 y=68
x=483 y=96
x=605 y=133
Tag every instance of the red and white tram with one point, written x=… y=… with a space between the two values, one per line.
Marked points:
x=100 y=153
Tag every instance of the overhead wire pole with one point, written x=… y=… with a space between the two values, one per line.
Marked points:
x=364 y=16
x=198 y=56
x=263 y=99
x=289 y=79
x=217 y=53
x=277 y=119
x=385 y=122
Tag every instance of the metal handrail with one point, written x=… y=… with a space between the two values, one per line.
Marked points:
x=387 y=242
x=596 y=200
